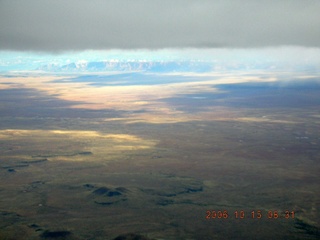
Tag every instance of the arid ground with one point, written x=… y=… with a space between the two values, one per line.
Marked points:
x=176 y=156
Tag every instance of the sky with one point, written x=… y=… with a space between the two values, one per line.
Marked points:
x=75 y=30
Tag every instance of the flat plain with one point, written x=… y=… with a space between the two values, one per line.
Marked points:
x=221 y=156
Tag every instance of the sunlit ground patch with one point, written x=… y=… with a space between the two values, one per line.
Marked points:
x=69 y=145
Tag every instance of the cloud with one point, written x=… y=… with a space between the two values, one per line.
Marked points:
x=59 y=25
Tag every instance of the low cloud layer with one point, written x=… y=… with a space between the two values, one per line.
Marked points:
x=58 y=25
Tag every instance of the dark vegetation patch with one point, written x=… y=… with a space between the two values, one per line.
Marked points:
x=55 y=234
x=8 y=219
x=37 y=183
x=113 y=193
x=307 y=228
x=88 y=185
x=33 y=225
x=36 y=227
x=173 y=192
x=131 y=236
x=192 y=190
x=85 y=153
x=63 y=155
x=170 y=201
x=34 y=185
x=108 y=191
x=110 y=202
x=101 y=191
x=16 y=166
x=164 y=202
x=6 y=213
x=36 y=161
x=158 y=193
x=122 y=189
x=108 y=196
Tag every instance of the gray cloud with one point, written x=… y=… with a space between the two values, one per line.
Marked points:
x=60 y=25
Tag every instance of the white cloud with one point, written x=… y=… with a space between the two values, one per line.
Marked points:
x=56 y=25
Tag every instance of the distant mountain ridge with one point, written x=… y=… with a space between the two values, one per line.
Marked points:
x=164 y=66
x=152 y=66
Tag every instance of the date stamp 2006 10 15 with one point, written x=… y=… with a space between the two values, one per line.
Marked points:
x=254 y=214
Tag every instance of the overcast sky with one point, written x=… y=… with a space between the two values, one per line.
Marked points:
x=62 y=25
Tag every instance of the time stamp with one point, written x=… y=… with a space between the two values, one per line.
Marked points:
x=255 y=214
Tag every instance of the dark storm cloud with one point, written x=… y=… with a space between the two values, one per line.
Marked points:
x=60 y=25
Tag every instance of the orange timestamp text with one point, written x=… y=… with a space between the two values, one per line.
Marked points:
x=254 y=214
